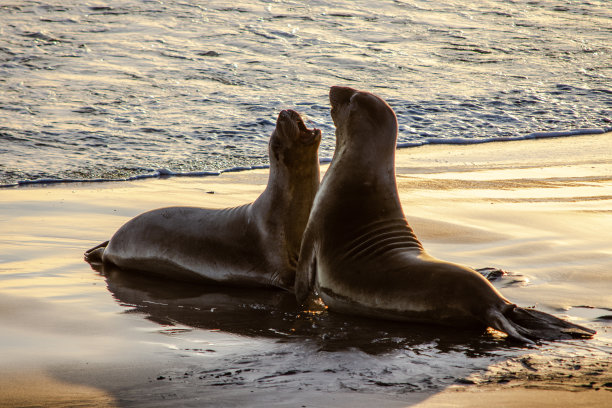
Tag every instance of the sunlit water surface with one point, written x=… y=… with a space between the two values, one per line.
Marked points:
x=119 y=89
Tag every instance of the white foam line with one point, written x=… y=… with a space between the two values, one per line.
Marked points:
x=535 y=135
x=160 y=173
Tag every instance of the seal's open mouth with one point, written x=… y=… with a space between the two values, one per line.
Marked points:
x=304 y=135
x=307 y=136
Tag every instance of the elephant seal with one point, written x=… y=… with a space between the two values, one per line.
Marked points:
x=256 y=244
x=361 y=256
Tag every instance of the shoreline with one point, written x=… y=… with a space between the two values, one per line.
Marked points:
x=165 y=173
x=539 y=209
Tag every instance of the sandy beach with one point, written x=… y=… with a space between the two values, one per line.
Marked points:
x=541 y=210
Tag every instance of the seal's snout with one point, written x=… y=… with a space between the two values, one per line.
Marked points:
x=290 y=116
x=285 y=123
x=340 y=95
x=285 y=114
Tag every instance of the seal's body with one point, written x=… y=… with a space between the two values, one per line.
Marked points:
x=255 y=244
x=362 y=257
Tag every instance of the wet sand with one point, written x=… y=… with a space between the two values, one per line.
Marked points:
x=540 y=210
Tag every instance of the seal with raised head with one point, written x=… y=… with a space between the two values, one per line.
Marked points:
x=256 y=244
x=361 y=256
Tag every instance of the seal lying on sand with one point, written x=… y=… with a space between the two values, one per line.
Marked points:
x=362 y=257
x=255 y=244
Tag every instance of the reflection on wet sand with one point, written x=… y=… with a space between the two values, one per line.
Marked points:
x=324 y=351
x=274 y=314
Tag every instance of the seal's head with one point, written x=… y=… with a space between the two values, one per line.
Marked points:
x=292 y=185
x=292 y=144
x=361 y=117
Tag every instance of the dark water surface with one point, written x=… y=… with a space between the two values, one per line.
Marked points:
x=118 y=89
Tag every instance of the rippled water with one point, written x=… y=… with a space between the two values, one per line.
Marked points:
x=117 y=89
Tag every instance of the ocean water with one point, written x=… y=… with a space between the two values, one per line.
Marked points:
x=101 y=90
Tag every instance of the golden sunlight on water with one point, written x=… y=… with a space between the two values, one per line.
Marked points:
x=131 y=88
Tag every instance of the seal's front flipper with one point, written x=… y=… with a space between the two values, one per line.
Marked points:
x=94 y=255
x=525 y=324
x=306 y=268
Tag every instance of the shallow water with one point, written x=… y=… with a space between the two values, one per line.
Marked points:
x=122 y=89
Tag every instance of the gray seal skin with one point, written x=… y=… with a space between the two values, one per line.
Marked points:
x=256 y=244
x=361 y=257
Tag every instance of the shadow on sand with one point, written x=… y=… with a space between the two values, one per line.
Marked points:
x=274 y=314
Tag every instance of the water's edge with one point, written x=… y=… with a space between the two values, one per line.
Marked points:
x=165 y=173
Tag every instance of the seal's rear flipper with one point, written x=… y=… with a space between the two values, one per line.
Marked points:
x=95 y=254
x=525 y=324
x=544 y=326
